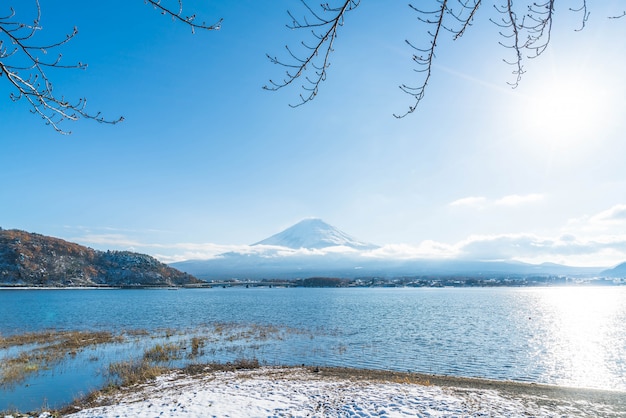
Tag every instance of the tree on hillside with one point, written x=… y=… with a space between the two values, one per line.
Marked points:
x=525 y=30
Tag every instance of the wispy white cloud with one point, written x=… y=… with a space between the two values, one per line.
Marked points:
x=482 y=202
x=471 y=201
x=164 y=252
x=170 y=253
x=116 y=240
x=110 y=229
x=425 y=250
x=597 y=240
x=566 y=249
x=609 y=221
x=614 y=215
x=523 y=246
x=516 y=199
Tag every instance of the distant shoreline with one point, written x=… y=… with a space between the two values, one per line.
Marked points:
x=56 y=288
x=4 y=287
x=75 y=287
x=278 y=285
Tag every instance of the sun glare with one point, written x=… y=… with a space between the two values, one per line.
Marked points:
x=579 y=320
x=566 y=114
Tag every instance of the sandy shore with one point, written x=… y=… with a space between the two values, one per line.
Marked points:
x=332 y=392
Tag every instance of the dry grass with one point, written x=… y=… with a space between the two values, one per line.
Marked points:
x=137 y=332
x=197 y=344
x=193 y=369
x=377 y=375
x=128 y=373
x=14 y=370
x=411 y=380
x=253 y=332
x=44 y=350
x=121 y=374
x=50 y=347
x=68 y=339
x=239 y=364
x=28 y=338
x=162 y=353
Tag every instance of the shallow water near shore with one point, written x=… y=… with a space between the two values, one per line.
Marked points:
x=570 y=336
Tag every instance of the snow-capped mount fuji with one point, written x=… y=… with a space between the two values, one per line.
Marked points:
x=313 y=248
x=314 y=233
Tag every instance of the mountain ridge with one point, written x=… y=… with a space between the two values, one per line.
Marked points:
x=30 y=259
x=618 y=271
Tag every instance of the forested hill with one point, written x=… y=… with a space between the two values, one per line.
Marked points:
x=28 y=259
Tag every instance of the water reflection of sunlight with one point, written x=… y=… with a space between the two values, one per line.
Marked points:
x=579 y=323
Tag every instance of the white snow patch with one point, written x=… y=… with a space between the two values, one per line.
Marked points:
x=289 y=392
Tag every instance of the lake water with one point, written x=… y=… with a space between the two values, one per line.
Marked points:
x=572 y=336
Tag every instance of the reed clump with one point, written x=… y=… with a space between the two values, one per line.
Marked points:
x=161 y=353
x=197 y=344
x=44 y=349
x=128 y=373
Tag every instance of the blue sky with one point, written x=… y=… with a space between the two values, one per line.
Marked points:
x=207 y=161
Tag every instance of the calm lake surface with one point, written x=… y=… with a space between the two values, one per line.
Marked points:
x=572 y=336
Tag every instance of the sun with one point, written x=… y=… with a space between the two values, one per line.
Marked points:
x=565 y=112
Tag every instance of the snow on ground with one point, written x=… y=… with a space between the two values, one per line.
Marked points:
x=295 y=392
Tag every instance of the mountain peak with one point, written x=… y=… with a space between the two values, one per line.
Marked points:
x=314 y=233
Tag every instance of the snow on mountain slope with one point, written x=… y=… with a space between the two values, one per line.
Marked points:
x=314 y=234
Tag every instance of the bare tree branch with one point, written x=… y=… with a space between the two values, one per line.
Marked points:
x=539 y=27
x=454 y=17
x=582 y=9
x=509 y=22
x=468 y=21
x=178 y=15
x=526 y=31
x=27 y=66
x=324 y=32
